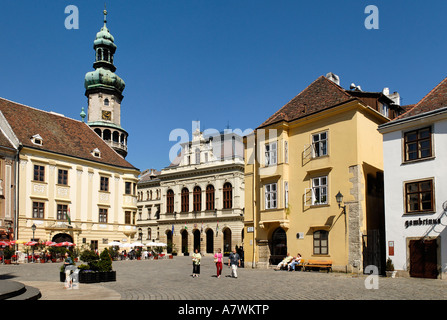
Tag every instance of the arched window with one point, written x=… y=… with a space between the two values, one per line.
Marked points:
x=210 y=197
x=197 y=199
x=107 y=135
x=106 y=102
x=321 y=242
x=98 y=132
x=116 y=136
x=99 y=55
x=185 y=200
x=227 y=196
x=170 y=201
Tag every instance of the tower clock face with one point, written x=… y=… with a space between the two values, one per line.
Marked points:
x=107 y=115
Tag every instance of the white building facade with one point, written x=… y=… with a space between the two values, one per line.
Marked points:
x=415 y=149
x=202 y=197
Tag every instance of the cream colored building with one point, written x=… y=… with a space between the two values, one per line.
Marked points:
x=71 y=185
x=149 y=205
x=202 y=196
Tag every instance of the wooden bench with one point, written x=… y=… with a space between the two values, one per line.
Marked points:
x=320 y=264
x=300 y=266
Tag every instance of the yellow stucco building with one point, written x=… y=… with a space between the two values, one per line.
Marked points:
x=324 y=141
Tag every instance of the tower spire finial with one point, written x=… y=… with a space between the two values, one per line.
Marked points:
x=105 y=14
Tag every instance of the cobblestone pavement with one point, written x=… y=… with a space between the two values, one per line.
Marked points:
x=171 y=280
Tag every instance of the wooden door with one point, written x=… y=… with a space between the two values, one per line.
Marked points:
x=423 y=259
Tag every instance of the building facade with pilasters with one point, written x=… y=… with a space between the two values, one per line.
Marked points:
x=202 y=196
x=72 y=186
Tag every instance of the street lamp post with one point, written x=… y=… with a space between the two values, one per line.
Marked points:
x=33 y=227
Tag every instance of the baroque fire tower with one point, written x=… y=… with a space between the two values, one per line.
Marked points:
x=104 y=89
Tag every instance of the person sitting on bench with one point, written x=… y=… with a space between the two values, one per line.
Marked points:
x=284 y=262
x=295 y=261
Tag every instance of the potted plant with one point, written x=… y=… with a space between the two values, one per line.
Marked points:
x=389 y=268
x=173 y=249
x=8 y=252
x=105 y=267
x=138 y=253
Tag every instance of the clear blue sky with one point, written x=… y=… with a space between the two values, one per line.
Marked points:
x=220 y=62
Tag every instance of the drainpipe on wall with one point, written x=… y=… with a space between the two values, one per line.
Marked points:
x=254 y=202
x=16 y=193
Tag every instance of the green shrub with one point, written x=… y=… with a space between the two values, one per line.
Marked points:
x=105 y=262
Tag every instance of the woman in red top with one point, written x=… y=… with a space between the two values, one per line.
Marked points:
x=218 y=259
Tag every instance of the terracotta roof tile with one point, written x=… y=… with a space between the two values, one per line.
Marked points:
x=60 y=134
x=319 y=95
x=435 y=99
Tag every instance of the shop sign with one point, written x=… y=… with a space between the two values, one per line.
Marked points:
x=422 y=222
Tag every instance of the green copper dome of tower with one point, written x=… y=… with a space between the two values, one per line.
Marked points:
x=104 y=90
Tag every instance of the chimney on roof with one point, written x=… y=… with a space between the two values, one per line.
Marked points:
x=333 y=77
x=355 y=88
x=395 y=96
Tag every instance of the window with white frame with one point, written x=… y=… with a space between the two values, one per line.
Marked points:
x=319 y=190
x=286 y=194
x=270 y=154
x=319 y=144
x=270 y=196
x=286 y=152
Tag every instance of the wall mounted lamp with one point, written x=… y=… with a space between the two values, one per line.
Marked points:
x=339 y=198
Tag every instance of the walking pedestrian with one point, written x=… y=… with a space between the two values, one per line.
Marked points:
x=67 y=263
x=218 y=260
x=234 y=261
x=196 y=256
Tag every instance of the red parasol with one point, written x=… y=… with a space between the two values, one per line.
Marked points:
x=64 y=244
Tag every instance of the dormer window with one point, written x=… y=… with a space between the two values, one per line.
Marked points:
x=96 y=153
x=37 y=140
x=106 y=102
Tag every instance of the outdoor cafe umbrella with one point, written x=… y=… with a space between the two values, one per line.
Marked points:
x=137 y=244
x=126 y=245
x=4 y=243
x=151 y=244
x=64 y=244
x=31 y=243
x=114 y=243
x=161 y=244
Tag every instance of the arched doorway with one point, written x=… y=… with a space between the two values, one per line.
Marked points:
x=209 y=241
x=196 y=234
x=227 y=241
x=278 y=245
x=169 y=241
x=62 y=237
x=184 y=234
